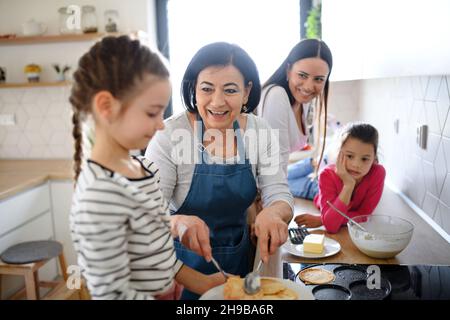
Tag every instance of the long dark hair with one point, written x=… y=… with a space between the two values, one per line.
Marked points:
x=220 y=54
x=308 y=48
x=114 y=64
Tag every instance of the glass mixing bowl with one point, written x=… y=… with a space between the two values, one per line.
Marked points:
x=387 y=236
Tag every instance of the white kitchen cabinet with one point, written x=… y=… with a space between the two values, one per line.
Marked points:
x=342 y=30
x=61 y=196
x=384 y=38
x=20 y=209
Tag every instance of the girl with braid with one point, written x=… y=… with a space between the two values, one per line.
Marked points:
x=119 y=219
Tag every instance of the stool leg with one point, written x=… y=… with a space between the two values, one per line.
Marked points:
x=63 y=265
x=32 y=285
x=36 y=282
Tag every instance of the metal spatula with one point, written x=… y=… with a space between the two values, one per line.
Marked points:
x=252 y=281
x=347 y=217
x=217 y=265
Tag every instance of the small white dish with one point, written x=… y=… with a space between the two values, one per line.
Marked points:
x=331 y=247
x=33 y=28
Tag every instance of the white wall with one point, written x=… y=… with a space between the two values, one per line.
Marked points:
x=387 y=38
x=43 y=115
x=343 y=101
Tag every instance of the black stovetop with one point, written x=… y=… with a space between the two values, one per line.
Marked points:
x=408 y=282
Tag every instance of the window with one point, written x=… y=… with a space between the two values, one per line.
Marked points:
x=267 y=30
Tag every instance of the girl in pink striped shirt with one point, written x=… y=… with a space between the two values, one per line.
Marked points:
x=354 y=184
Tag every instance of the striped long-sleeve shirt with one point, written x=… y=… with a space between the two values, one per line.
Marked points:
x=121 y=232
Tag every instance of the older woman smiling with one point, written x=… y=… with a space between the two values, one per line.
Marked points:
x=209 y=198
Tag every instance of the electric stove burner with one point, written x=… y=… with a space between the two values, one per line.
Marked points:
x=405 y=282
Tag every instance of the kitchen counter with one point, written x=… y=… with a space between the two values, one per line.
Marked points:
x=427 y=247
x=19 y=175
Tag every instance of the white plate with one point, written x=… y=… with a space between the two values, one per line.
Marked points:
x=303 y=292
x=331 y=247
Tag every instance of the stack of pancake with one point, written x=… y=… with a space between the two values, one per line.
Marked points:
x=270 y=290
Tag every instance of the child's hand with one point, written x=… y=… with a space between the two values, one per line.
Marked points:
x=214 y=280
x=342 y=172
x=308 y=220
x=198 y=282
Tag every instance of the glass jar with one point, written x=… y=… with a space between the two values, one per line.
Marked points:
x=111 y=21
x=67 y=24
x=89 y=19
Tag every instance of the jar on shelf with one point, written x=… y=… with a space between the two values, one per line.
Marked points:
x=33 y=72
x=89 y=19
x=68 y=24
x=111 y=20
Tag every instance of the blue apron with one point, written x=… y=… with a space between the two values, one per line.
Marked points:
x=220 y=195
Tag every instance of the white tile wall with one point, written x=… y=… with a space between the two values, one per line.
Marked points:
x=440 y=168
x=442 y=216
x=430 y=178
x=430 y=204
x=422 y=175
x=43 y=123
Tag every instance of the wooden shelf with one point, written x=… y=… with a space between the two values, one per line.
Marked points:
x=54 y=38
x=35 y=84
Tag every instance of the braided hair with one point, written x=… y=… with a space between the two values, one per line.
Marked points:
x=114 y=64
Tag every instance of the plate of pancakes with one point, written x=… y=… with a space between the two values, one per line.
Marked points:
x=271 y=289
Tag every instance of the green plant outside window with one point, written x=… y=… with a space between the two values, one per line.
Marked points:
x=313 y=23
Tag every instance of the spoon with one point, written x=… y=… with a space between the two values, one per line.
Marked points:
x=347 y=217
x=217 y=265
x=252 y=281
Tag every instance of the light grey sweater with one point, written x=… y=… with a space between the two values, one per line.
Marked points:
x=277 y=110
x=174 y=151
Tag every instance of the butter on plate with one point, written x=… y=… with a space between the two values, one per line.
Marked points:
x=314 y=243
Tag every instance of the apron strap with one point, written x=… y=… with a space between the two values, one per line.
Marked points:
x=240 y=142
x=200 y=127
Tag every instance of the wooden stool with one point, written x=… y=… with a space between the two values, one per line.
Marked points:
x=26 y=259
